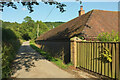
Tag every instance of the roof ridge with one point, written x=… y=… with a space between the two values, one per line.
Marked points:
x=86 y=24
x=104 y=10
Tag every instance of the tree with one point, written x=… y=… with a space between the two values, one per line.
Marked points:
x=27 y=19
x=29 y=4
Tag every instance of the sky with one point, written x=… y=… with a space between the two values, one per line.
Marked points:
x=89 y=0
x=48 y=13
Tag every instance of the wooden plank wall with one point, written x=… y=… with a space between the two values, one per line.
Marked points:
x=89 y=57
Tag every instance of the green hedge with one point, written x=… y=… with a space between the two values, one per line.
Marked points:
x=10 y=46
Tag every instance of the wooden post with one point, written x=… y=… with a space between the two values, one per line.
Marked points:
x=71 y=51
x=38 y=31
x=75 y=53
x=117 y=61
x=113 y=61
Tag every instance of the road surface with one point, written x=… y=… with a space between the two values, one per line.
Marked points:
x=30 y=64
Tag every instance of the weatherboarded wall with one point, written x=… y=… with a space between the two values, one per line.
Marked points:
x=57 y=49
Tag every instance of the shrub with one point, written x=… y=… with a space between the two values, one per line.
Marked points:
x=10 y=45
x=108 y=37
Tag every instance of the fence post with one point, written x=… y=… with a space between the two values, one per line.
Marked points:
x=74 y=52
x=71 y=51
x=119 y=62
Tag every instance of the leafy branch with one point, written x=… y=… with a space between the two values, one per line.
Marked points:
x=29 y=5
x=105 y=54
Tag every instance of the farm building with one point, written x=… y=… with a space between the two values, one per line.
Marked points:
x=87 y=25
x=62 y=42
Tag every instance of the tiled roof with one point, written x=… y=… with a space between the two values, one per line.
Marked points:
x=90 y=24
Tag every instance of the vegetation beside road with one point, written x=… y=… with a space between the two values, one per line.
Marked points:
x=10 y=46
x=13 y=34
x=47 y=56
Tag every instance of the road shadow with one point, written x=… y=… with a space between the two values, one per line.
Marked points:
x=25 y=59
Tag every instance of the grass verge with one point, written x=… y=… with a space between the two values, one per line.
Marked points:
x=47 y=56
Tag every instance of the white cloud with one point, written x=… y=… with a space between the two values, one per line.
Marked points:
x=24 y=9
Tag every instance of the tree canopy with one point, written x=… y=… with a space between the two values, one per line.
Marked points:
x=29 y=4
x=52 y=25
x=27 y=29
